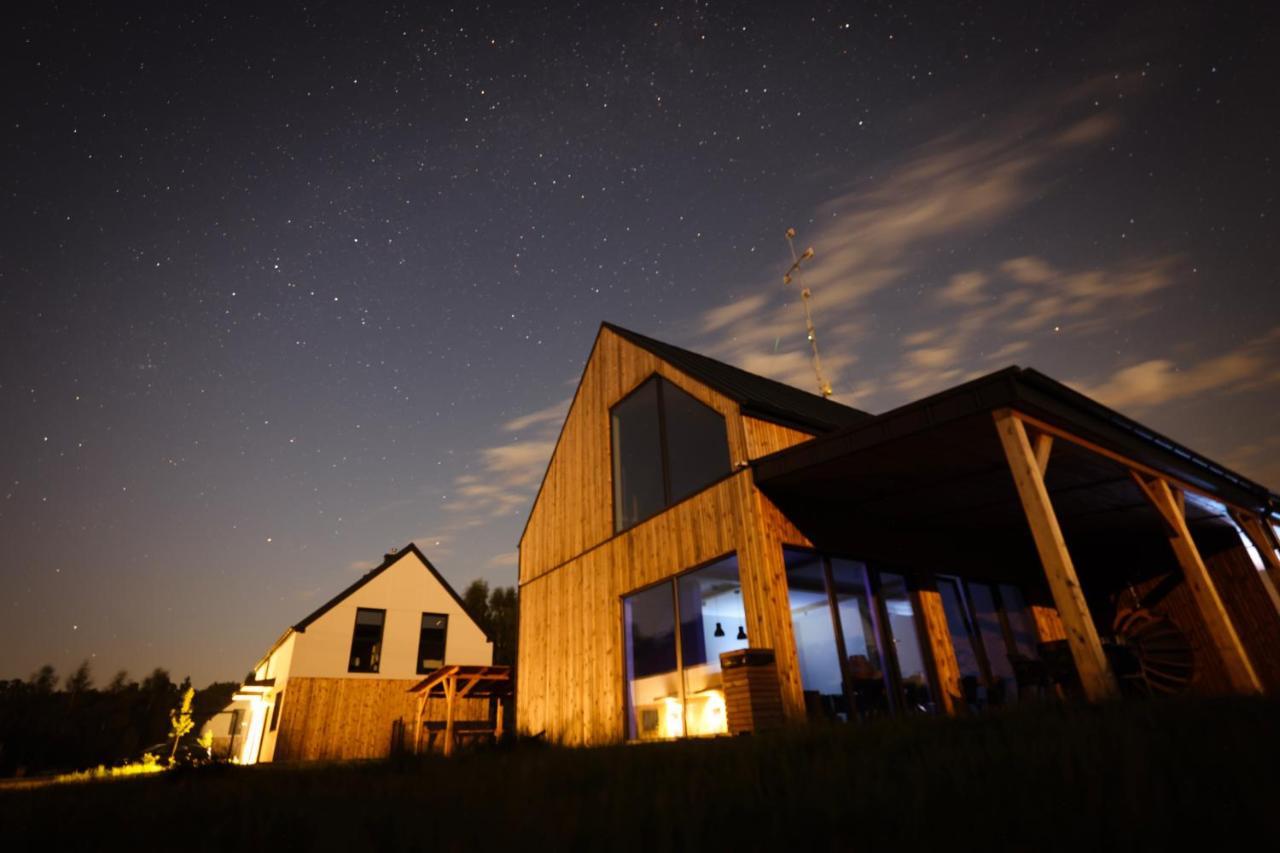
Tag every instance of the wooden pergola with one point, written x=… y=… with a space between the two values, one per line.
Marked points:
x=456 y=682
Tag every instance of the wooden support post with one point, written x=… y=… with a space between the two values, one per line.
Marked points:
x=450 y=690
x=417 y=729
x=1082 y=636
x=946 y=669
x=1225 y=639
x=497 y=723
x=1044 y=444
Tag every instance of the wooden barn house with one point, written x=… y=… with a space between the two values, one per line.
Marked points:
x=337 y=684
x=1003 y=540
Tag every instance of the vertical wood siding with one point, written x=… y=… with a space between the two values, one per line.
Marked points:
x=765 y=437
x=574 y=508
x=345 y=718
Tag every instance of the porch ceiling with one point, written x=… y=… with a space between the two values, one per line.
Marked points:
x=928 y=485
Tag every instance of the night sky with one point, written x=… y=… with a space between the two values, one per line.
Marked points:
x=284 y=288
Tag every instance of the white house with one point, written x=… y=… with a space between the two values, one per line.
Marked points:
x=335 y=685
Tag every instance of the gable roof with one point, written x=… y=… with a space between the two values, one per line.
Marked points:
x=756 y=395
x=390 y=560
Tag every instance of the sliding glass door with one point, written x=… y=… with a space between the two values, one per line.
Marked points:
x=857 y=646
x=674 y=683
x=992 y=633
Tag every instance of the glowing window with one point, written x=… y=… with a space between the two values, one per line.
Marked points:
x=674 y=634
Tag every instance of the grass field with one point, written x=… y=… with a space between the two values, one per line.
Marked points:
x=1138 y=776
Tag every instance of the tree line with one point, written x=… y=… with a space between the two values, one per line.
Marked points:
x=48 y=726
x=498 y=612
x=51 y=724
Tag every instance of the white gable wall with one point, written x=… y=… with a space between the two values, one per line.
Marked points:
x=406 y=590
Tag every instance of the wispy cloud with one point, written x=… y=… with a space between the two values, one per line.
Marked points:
x=501 y=483
x=878 y=245
x=551 y=415
x=1253 y=365
x=505 y=560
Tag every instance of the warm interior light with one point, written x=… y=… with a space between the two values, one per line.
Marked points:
x=673 y=718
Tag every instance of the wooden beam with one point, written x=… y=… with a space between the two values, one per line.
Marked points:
x=497 y=725
x=1044 y=444
x=946 y=669
x=450 y=689
x=1218 y=623
x=1082 y=636
x=1130 y=464
x=417 y=728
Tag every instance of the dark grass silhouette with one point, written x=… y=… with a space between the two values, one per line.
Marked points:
x=1135 y=776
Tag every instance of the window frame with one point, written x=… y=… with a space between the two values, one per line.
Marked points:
x=275 y=710
x=980 y=650
x=665 y=458
x=444 y=650
x=672 y=581
x=382 y=633
x=888 y=648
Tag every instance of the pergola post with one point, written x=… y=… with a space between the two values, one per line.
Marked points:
x=1026 y=466
x=417 y=729
x=450 y=691
x=1218 y=623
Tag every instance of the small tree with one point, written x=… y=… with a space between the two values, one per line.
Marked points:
x=44 y=680
x=180 y=721
x=476 y=599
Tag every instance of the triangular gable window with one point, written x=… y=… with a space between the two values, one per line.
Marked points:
x=667 y=445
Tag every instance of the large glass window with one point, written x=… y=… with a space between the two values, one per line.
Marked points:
x=838 y=633
x=431 y=642
x=653 y=681
x=366 y=640
x=712 y=620
x=864 y=666
x=638 y=489
x=674 y=683
x=992 y=632
x=901 y=619
x=666 y=446
x=817 y=654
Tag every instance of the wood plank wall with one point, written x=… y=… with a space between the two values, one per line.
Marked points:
x=1246 y=601
x=574 y=570
x=765 y=437
x=346 y=718
x=574 y=508
x=570 y=684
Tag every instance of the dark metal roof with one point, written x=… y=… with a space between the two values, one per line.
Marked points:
x=756 y=395
x=390 y=560
x=1037 y=395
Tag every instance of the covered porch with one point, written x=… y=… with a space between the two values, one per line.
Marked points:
x=1014 y=498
